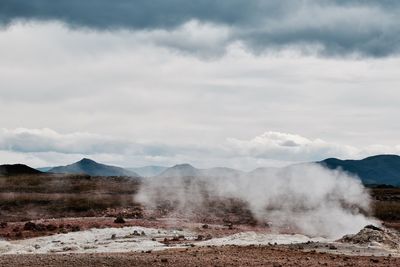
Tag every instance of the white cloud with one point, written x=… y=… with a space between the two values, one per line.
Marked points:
x=126 y=95
x=43 y=147
x=290 y=147
x=296 y=148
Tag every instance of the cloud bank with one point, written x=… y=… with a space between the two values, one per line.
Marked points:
x=330 y=28
x=44 y=146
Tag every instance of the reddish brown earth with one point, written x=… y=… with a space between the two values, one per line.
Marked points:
x=208 y=256
x=81 y=203
x=45 y=227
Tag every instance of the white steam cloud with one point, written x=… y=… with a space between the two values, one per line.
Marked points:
x=307 y=198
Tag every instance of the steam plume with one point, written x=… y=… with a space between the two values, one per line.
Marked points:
x=309 y=198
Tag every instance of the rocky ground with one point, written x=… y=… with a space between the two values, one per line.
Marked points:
x=183 y=243
x=203 y=256
x=46 y=227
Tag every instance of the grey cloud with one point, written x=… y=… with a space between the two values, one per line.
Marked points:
x=334 y=28
x=47 y=140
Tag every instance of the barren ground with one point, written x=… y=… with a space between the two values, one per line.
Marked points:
x=61 y=204
x=207 y=256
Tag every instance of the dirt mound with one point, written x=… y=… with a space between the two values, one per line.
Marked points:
x=372 y=235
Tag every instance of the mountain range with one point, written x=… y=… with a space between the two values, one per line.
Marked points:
x=375 y=170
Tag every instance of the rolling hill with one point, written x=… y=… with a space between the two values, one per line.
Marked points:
x=17 y=169
x=380 y=169
x=92 y=168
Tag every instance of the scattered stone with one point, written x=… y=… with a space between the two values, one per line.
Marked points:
x=30 y=226
x=164 y=260
x=113 y=236
x=205 y=226
x=136 y=233
x=332 y=247
x=119 y=219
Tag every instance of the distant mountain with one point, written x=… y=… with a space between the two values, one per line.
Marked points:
x=187 y=170
x=90 y=167
x=17 y=169
x=183 y=170
x=148 y=171
x=44 y=169
x=381 y=169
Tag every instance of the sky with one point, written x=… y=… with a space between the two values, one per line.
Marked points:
x=234 y=83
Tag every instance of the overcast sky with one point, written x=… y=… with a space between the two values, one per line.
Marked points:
x=234 y=83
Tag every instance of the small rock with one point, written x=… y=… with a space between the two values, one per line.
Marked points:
x=30 y=226
x=199 y=238
x=136 y=233
x=119 y=219
x=374 y=260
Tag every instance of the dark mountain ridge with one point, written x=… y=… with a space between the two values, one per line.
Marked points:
x=17 y=169
x=380 y=169
x=92 y=168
